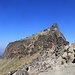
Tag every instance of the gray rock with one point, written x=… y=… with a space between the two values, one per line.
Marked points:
x=68 y=55
x=11 y=72
x=22 y=72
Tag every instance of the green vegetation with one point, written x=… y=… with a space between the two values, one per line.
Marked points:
x=15 y=63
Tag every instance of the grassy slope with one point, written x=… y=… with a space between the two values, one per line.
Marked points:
x=8 y=65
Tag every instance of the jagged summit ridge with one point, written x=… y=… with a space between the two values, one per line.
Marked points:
x=48 y=38
x=55 y=25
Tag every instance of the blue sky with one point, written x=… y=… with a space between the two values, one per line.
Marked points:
x=22 y=18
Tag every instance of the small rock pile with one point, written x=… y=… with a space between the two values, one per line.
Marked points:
x=68 y=55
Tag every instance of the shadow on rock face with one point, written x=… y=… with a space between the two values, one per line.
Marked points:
x=73 y=61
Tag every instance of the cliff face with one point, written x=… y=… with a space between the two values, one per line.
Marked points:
x=48 y=39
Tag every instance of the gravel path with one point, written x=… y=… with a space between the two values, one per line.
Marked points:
x=61 y=70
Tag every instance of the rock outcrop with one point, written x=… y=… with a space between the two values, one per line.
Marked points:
x=68 y=55
x=22 y=71
x=52 y=47
x=43 y=41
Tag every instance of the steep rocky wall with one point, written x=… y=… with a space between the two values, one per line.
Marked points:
x=47 y=39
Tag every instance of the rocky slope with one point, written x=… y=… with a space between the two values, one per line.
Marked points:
x=56 y=55
x=67 y=69
x=47 y=39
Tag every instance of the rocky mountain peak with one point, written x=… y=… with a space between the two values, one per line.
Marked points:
x=55 y=25
x=44 y=40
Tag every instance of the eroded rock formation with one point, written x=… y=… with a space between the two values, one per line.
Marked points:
x=53 y=47
x=47 y=39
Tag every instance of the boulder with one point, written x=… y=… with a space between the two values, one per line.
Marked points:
x=68 y=55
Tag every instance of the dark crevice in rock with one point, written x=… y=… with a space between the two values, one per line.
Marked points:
x=73 y=61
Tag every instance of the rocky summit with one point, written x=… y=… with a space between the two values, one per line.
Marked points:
x=55 y=55
x=44 y=40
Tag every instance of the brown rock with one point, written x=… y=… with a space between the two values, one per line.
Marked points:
x=49 y=38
